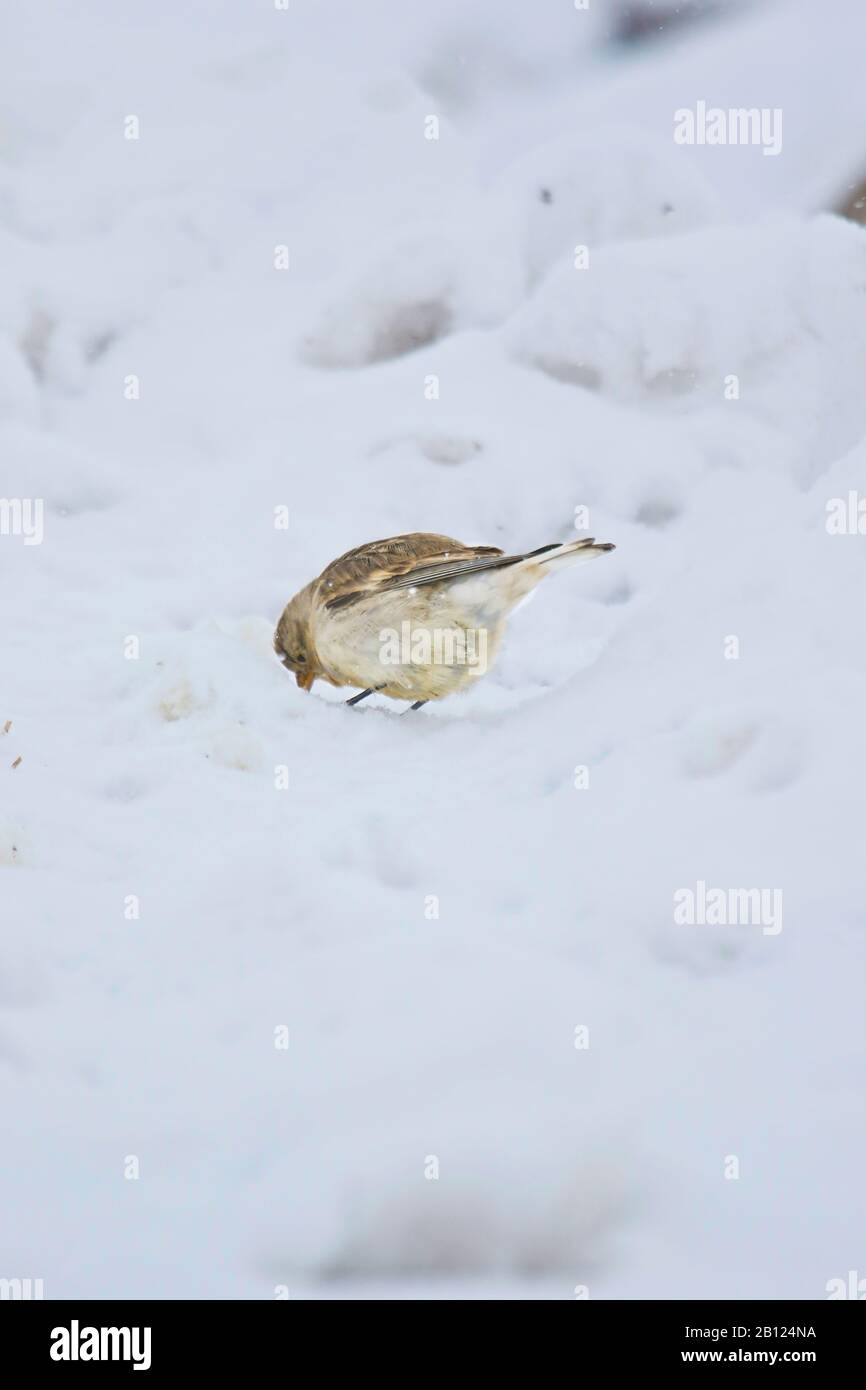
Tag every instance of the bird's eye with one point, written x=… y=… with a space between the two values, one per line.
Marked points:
x=300 y=658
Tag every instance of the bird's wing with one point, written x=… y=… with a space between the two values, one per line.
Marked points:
x=402 y=562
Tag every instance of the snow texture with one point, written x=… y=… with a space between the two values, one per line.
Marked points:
x=510 y=1071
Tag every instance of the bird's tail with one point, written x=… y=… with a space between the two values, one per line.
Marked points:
x=563 y=553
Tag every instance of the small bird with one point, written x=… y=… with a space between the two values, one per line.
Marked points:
x=416 y=617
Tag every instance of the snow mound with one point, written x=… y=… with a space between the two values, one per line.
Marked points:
x=618 y=185
x=420 y=289
x=69 y=481
x=403 y=301
x=415 y=1230
x=209 y=690
x=440 y=445
x=777 y=331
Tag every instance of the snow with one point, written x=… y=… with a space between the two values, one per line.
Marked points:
x=617 y=185
x=780 y=319
x=168 y=907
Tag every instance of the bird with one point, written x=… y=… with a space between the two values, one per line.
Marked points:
x=415 y=617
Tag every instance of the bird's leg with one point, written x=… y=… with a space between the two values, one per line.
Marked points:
x=356 y=699
x=417 y=705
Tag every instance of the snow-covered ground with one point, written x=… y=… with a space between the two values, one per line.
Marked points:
x=510 y=1070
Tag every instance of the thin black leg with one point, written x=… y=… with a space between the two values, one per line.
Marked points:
x=417 y=705
x=356 y=699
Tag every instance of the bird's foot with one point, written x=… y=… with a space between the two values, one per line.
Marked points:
x=356 y=699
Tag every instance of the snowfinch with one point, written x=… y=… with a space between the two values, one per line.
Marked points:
x=416 y=617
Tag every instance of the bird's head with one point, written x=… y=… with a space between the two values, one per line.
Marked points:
x=293 y=641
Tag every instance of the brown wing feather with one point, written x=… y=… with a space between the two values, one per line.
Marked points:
x=420 y=557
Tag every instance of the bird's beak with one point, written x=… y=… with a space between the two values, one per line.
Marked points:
x=305 y=679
